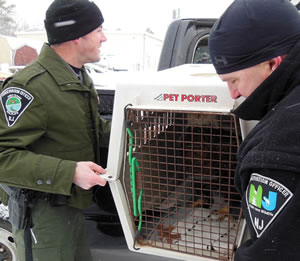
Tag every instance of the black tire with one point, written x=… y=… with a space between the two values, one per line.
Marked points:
x=7 y=245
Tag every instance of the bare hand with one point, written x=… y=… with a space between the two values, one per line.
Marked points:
x=87 y=175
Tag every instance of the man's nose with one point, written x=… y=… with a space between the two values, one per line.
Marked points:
x=234 y=93
x=103 y=39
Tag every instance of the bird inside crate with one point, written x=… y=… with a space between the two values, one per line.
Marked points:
x=182 y=192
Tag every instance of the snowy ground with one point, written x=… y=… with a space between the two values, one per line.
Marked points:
x=3 y=212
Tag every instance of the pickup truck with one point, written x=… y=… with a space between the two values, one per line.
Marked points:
x=186 y=42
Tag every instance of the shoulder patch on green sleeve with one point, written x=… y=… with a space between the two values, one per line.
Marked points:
x=14 y=102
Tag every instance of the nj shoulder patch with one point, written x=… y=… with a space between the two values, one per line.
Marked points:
x=266 y=198
x=14 y=102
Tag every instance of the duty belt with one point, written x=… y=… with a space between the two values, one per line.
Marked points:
x=55 y=200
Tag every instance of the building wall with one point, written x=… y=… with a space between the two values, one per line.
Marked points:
x=131 y=51
x=24 y=55
x=5 y=54
x=36 y=35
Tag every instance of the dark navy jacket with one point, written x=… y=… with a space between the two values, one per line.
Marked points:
x=268 y=172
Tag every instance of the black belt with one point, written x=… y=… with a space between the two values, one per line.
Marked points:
x=55 y=200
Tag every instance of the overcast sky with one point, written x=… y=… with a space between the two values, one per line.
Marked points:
x=133 y=15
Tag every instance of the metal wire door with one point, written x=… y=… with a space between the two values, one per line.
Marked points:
x=178 y=177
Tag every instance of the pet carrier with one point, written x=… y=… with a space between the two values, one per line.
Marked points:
x=171 y=164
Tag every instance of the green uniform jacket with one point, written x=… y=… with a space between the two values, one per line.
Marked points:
x=59 y=127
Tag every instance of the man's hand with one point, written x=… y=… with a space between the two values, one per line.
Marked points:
x=87 y=175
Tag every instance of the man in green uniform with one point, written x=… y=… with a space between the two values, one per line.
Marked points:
x=50 y=133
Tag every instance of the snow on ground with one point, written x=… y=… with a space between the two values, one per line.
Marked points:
x=3 y=212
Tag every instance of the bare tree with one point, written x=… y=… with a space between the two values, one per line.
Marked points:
x=8 y=25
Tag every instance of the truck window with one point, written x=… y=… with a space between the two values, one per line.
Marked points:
x=201 y=53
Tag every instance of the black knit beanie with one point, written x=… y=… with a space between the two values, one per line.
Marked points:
x=70 y=19
x=251 y=32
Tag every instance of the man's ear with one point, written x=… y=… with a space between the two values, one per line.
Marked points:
x=76 y=41
x=275 y=62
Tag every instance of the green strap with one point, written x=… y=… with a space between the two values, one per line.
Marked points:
x=133 y=163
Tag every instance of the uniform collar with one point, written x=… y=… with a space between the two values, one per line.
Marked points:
x=59 y=69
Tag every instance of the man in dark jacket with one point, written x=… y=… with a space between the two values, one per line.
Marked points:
x=51 y=132
x=255 y=48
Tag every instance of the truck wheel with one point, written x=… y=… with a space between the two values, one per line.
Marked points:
x=7 y=245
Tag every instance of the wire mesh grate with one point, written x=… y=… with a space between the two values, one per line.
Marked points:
x=178 y=175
